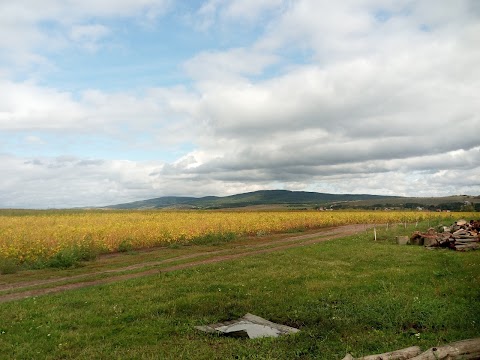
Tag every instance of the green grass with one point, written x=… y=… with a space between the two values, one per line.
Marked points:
x=350 y=295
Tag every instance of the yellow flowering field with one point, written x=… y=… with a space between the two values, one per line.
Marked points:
x=40 y=235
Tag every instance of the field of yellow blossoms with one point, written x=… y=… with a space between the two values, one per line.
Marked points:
x=28 y=237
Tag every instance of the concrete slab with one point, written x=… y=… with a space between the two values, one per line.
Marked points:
x=250 y=326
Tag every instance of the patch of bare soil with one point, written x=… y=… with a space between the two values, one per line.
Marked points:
x=277 y=243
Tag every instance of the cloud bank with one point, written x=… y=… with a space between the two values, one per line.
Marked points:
x=366 y=96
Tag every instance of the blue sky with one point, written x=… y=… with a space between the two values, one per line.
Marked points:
x=112 y=101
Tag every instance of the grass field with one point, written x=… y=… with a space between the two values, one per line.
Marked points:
x=348 y=295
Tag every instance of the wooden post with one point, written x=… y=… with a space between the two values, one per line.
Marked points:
x=375 y=232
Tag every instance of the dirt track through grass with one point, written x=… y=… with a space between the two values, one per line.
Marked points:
x=23 y=289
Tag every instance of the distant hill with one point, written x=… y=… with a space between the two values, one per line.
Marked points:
x=157 y=203
x=262 y=197
x=303 y=199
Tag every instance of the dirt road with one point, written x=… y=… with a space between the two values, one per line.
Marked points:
x=25 y=289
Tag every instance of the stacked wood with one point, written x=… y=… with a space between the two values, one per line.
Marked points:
x=461 y=236
x=465 y=349
x=402 y=354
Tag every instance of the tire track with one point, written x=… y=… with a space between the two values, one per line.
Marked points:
x=213 y=257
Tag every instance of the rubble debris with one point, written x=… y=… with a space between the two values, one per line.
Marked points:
x=461 y=236
x=249 y=326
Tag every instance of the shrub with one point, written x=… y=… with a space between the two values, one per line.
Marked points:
x=125 y=245
x=8 y=266
x=72 y=257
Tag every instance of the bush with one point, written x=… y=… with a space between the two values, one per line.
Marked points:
x=125 y=245
x=72 y=257
x=63 y=259
x=8 y=266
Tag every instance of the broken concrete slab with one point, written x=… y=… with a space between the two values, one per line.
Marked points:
x=250 y=326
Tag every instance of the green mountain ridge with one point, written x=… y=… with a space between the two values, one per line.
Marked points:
x=287 y=198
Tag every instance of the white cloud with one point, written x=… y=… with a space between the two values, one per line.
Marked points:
x=26 y=106
x=250 y=10
x=88 y=36
x=88 y=182
x=27 y=26
x=223 y=12
x=34 y=140
x=233 y=64
x=353 y=96
x=30 y=107
x=32 y=11
x=76 y=182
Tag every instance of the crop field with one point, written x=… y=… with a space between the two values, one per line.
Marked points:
x=349 y=294
x=35 y=236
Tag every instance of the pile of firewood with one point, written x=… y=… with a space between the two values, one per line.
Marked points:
x=465 y=349
x=461 y=236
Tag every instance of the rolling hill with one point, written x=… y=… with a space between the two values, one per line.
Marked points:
x=262 y=197
x=303 y=199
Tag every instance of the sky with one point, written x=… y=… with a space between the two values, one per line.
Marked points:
x=110 y=101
